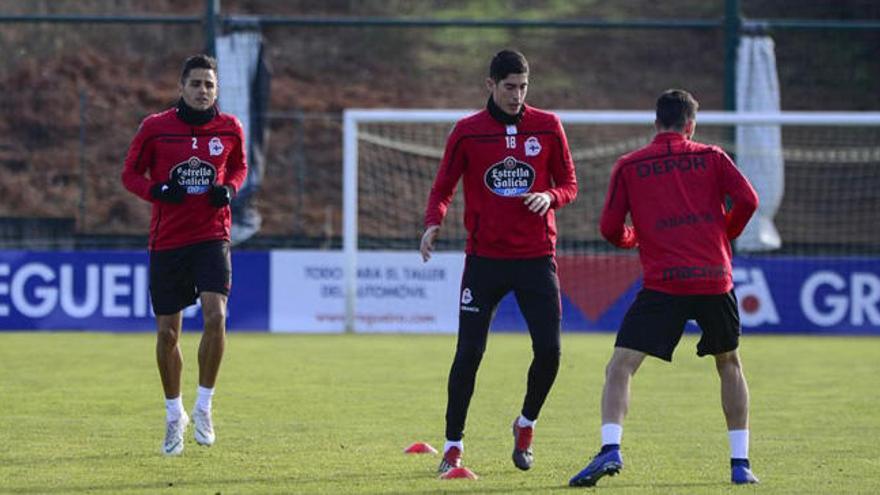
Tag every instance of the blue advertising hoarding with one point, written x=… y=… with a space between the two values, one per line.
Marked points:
x=827 y=295
x=109 y=290
x=809 y=295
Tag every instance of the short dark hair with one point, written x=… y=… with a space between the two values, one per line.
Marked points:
x=200 y=61
x=675 y=107
x=507 y=62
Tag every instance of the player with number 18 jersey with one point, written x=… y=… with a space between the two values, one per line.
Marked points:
x=514 y=162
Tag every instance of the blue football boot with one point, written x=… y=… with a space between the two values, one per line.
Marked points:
x=608 y=461
x=740 y=473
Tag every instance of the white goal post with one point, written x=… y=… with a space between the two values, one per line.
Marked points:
x=354 y=119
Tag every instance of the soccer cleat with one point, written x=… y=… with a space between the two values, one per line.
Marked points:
x=451 y=460
x=522 y=446
x=609 y=462
x=203 y=429
x=174 y=430
x=740 y=473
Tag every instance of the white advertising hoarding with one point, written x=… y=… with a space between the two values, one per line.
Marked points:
x=397 y=292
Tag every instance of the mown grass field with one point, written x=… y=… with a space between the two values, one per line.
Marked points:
x=83 y=413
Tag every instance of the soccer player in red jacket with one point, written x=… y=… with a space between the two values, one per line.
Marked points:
x=189 y=161
x=517 y=169
x=675 y=191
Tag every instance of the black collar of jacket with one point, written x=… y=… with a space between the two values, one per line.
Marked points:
x=502 y=116
x=192 y=116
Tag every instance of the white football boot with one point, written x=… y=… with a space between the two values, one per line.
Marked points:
x=204 y=427
x=174 y=431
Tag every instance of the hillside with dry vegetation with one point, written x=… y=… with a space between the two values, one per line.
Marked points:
x=73 y=94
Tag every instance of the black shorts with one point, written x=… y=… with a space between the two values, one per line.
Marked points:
x=655 y=322
x=178 y=276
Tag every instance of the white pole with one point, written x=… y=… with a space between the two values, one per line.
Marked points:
x=349 y=216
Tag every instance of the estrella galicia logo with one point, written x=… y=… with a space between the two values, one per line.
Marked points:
x=510 y=177
x=195 y=175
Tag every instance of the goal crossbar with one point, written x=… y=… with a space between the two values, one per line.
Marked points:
x=358 y=115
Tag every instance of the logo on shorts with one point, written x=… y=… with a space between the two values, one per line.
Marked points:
x=510 y=177
x=215 y=146
x=533 y=146
x=195 y=175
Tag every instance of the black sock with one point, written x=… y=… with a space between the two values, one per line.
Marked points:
x=739 y=462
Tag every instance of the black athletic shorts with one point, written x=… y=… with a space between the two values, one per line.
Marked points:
x=655 y=322
x=178 y=276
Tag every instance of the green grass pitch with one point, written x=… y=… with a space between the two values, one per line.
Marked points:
x=83 y=413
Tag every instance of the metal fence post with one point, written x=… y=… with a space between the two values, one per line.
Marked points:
x=212 y=11
x=83 y=180
x=732 y=22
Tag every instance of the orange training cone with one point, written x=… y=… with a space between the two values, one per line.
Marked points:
x=420 y=448
x=458 y=473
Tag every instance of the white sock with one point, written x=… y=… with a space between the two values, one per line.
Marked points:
x=203 y=398
x=522 y=422
x=611 y=433
x=449 y=444
x=739 y=444
x=173 y=409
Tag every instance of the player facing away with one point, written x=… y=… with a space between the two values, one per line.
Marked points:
x=188 y=162
x=516 y=168
x=675 y=191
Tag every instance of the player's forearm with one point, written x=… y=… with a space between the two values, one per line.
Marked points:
x=136 y=183
x=736 y=220
x=133 y=169
x=563 y=194
x=744 y=206
x=618 y=233
x=438 y=202
x=434 y=215
x=625 y=238
x=236 y=173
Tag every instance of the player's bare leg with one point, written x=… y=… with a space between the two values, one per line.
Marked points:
x=618 y=374
x=213 y=338
x=168 y=354
x=734 y=390
x=735 y=403
x=170 y=362
x=615 y=402
x=211 y=349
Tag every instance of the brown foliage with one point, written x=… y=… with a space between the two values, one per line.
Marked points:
x=64 y=81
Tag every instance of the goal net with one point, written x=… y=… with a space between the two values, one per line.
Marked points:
x=828 y=188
